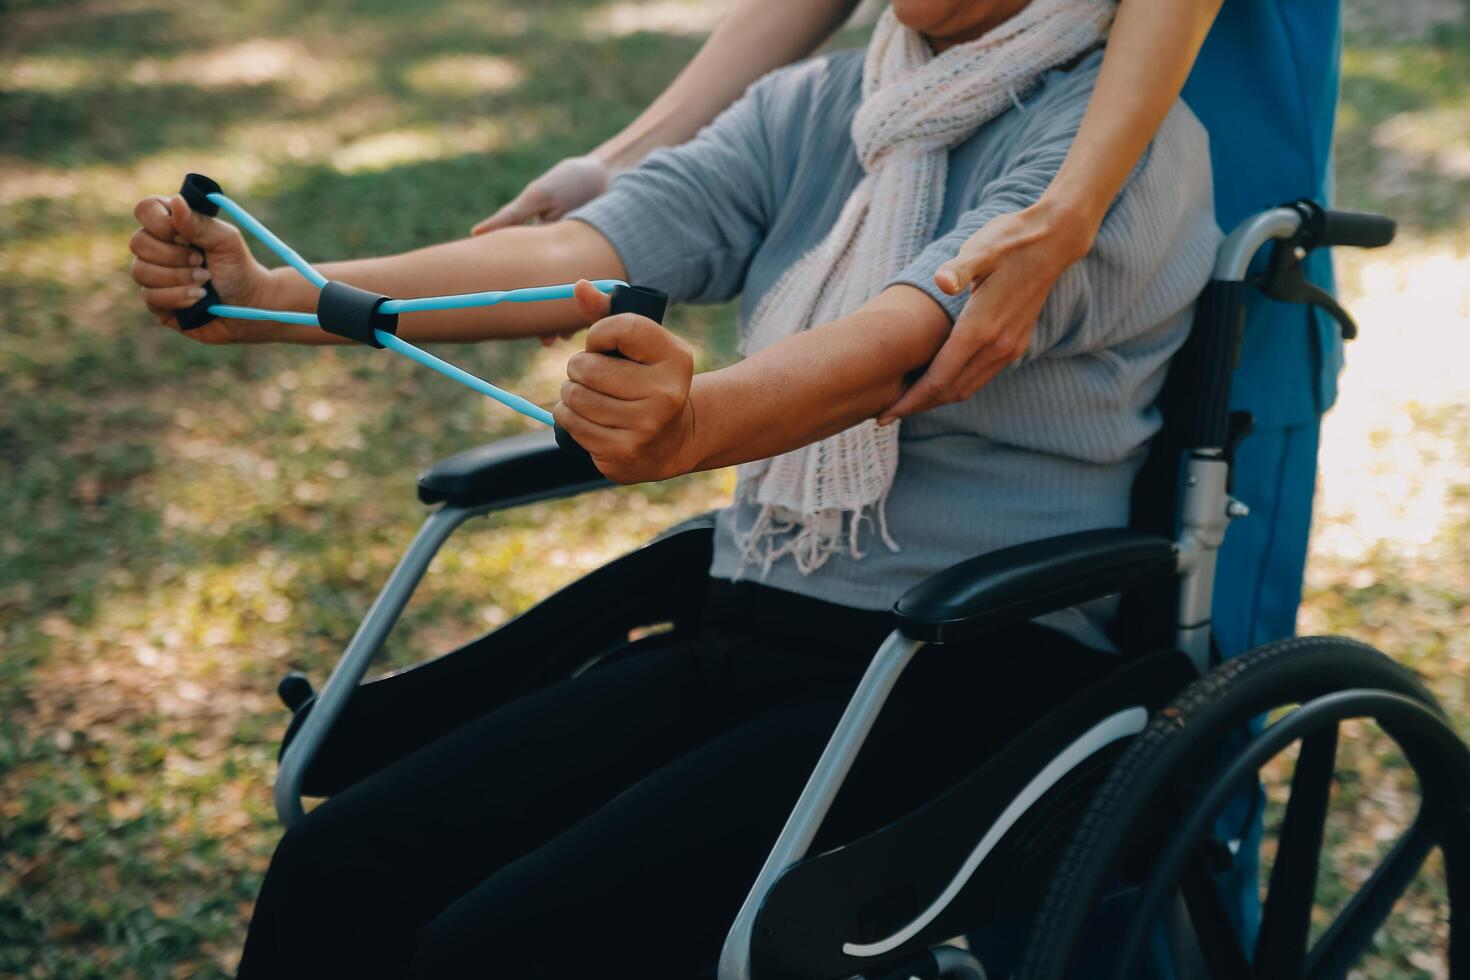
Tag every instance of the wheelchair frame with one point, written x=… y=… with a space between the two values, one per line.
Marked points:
x=1010 y=585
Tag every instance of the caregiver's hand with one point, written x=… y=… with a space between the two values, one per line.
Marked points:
x=177 y=250
x=631 y=413
x=1010 y=266
x=565 y=187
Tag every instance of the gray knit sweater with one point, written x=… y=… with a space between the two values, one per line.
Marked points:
x=1048 y=447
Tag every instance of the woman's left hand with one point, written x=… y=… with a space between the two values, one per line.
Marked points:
x=632 y=411
x=1010 y=266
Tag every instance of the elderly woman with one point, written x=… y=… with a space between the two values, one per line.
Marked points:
x=632 y=807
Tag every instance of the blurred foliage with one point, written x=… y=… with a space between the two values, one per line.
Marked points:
x=179 y=525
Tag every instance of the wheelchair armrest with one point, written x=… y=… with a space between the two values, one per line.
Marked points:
x=1029 y=580
x=508 y=471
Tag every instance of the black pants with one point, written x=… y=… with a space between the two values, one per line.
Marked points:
x=611 y=825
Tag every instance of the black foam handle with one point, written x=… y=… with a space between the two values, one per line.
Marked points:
x=196 y=191
x=198 y=314
x=644 y=301
x=1356 y=229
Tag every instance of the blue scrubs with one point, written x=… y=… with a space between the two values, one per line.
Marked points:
x=1266 y=88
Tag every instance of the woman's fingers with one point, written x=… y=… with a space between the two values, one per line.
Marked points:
x=526 y=205
x=201 y=230
x=605 y=410
x=171 y=298
x=993 y=330
x=613 y=376
x=592 y=302
x=150 y=274
x=152 y=214
x=159 y=252
x=976 y=260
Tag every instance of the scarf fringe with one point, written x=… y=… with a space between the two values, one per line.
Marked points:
x=810 y=540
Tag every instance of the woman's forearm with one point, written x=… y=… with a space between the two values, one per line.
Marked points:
x=1150 y=52
x=815 y=383
x=507 y=259
x=755 y=37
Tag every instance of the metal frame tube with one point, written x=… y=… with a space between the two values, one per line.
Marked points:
x=821 y=789
x=365 y=644
x=373 y=631
x=1238 y=250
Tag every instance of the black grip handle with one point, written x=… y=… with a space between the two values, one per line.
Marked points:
x=644 y=301
x=195 y=192
x=1356 y=229
x=198 y=314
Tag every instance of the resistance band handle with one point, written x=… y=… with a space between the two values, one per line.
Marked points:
x=195 y=192
x=198 y=314
x=643 y=301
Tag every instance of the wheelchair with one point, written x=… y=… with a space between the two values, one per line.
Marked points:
x=1119 y=787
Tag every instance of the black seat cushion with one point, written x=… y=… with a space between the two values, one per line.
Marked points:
x=870 y=888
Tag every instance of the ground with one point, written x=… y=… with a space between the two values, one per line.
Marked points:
x=180 y=524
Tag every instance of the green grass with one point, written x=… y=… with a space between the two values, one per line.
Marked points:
x=179 y=525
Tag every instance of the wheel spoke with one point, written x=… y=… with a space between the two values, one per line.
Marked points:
x=1281 y=947
x=1353 y=929
x=1212 y=923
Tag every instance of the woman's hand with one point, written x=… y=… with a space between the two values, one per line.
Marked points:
x=1010 y=266
x=631 y=412
x=565 y=187
x=177 y=250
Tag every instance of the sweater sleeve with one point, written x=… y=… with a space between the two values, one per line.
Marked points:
x=1151 y=255
x=688 y=219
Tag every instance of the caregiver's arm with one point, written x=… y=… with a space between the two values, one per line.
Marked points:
x=177 y=250
x=1011 y=264
x=754 y=37
x=646 y=416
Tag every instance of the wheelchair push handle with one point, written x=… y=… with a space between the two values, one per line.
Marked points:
x=1356 y=229
x=644 y=301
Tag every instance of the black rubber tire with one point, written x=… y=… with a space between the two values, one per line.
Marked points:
x=1289 y=672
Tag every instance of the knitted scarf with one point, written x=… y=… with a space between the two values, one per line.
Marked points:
x=916 y=106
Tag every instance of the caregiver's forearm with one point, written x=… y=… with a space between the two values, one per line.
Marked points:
x=754 y=37
x=507 y=259
x=816 y=383
x=1151 y=49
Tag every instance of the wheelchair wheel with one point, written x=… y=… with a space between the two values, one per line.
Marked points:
x=1151 y=822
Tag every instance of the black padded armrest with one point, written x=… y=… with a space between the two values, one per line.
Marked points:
x=507 y=470
x=1029 y=580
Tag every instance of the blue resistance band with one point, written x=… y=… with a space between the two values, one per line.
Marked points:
x=366 y=309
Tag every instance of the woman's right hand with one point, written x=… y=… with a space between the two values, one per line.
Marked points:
x=177 y=250
x=564 y=188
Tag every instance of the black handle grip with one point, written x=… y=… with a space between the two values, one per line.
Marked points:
x=644 y=301
x=195 y=192
x=1356 y=229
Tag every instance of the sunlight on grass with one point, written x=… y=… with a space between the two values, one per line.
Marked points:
x=309 y=74
x=50 y=73
x=464 y=75
x=659 y=16
x=395 y=148
x=1385 y=477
